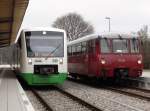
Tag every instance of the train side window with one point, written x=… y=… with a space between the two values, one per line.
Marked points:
x=73 y=49
x=70 y=52
x=78 y=48
x=75 y=53
x=84 y=47
x=91 y=47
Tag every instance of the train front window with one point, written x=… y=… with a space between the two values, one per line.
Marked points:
x=134 y=45
x=120 y=45
x=45 y=44
x=105 y=45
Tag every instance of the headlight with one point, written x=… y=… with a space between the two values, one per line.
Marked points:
x=60 y=61
x=30 y=61
x=103 y=61
x=139 y=61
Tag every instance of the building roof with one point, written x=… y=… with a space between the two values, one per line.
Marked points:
x=11 y=16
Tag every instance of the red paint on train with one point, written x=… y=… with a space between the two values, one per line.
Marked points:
x=102 y=56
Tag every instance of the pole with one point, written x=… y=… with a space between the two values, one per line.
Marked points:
x=108 y=18
x=109 y=25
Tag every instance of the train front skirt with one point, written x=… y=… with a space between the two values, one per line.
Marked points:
x=36 y=79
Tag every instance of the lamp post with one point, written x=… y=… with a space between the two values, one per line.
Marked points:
x=108 y=18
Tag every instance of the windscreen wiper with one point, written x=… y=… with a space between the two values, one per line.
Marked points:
x=53 y=51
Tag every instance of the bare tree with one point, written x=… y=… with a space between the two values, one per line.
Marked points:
x=143 y=32
x=74 y=25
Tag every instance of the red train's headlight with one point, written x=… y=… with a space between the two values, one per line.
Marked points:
x=103 y=61
x=139 y=62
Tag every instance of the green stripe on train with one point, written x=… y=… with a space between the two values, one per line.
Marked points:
x=36 y=79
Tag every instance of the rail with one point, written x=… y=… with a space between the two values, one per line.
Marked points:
x=80 y=101
x=42 y=100
x=132 y=91
x=75 y=98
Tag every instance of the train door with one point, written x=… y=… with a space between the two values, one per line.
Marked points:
x=84 y=58
x=79 y=60
x=92 y=62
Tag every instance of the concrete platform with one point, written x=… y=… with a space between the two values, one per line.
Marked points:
x=12 y=96
x=146 y=73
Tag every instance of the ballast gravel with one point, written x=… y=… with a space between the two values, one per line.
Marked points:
x=105 y=99
x=35 y=102
x=60 y=102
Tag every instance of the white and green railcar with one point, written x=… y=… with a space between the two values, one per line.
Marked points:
x=42 y=56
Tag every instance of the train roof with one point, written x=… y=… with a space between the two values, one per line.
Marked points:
x=39 y=29
x=103 y=35
x=42 y=29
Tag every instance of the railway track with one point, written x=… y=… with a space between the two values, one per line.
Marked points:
x=42 y=100
x=132 y=91
x=110 y=101
x=90 y=106
x=49 y=107
x=127 y=89
x=138 y=81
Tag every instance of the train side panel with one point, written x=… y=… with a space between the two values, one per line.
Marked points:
x=125 y=62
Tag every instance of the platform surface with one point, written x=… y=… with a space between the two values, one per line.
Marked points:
x=146 y=73
x=11 y=93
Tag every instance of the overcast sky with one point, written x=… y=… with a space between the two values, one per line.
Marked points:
x=126 y=15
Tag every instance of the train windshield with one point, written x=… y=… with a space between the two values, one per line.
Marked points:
x=105 y=45
x=134 y=45
x=120 y=45
x=45 y=44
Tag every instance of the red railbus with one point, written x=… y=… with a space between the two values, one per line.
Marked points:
x=107 y=55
